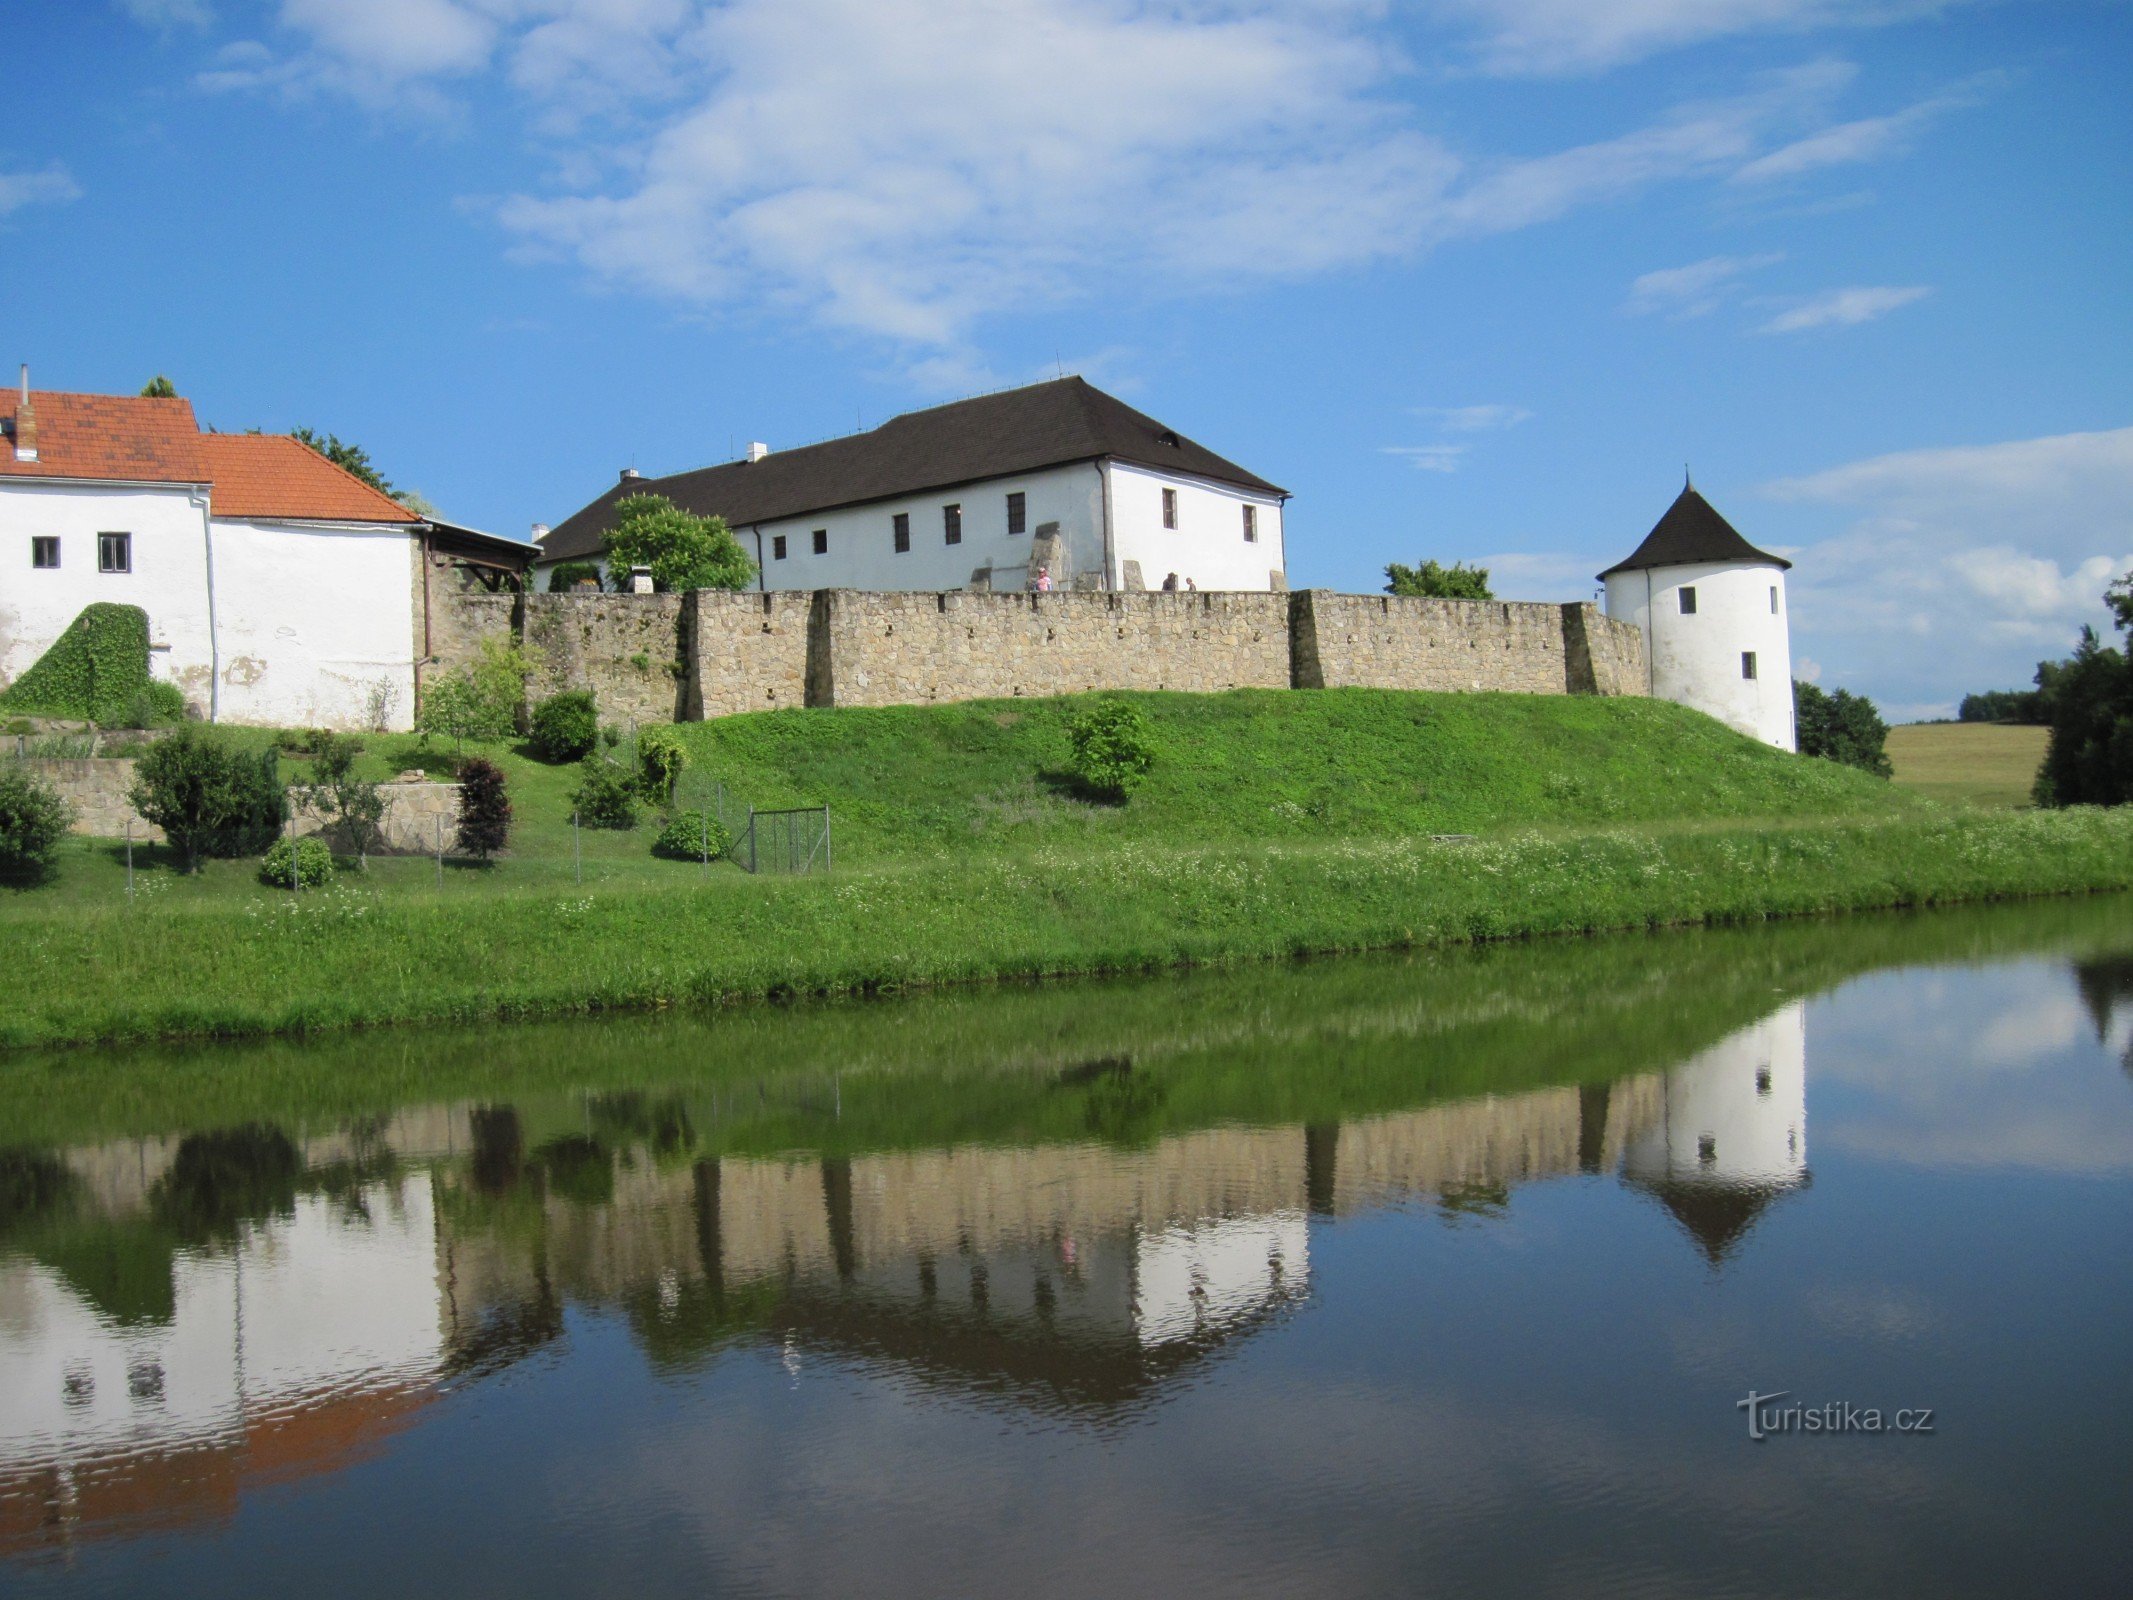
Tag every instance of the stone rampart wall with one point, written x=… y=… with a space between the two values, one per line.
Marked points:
x=746 y=652
x=627 y=649
x=1393 y=642
x=877 y=649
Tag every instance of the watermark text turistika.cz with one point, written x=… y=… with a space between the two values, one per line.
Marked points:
x=1767 y=1417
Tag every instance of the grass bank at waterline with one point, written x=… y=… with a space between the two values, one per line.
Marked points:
x=349 y=957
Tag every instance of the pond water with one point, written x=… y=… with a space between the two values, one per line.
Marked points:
x=1447 y=1273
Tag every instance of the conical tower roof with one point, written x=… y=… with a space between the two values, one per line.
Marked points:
x=1692 y=533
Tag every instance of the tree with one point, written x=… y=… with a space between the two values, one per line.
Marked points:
x=683 y=550
x=208 y=796
x=159 y=388
x=341 y=799
x=1434 y=581
x=2090 y=759
x=33 y=823
x=350 y=458
x=484 y=809
x=1840 y=726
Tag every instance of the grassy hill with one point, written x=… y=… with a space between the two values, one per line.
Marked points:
x=1266 y=765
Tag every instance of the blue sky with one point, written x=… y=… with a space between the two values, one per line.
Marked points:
x=1473 y=278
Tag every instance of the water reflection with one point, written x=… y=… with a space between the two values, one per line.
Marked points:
x=187 y=1315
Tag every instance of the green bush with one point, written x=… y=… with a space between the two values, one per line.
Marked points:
x=93 y=670
x=690 y=835
x=1840 y=726
x=565 y=727
x=660 y=758
x=481 y=701
x=158 y=705
x=313 y=864
x=1112 y=747
x=605 y=797
x=484 y=809
x=567 y=575
x=33 y=822
x=350 y=806
x=210 y=797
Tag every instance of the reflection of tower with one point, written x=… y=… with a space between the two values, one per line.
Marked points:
x=1733 y=1134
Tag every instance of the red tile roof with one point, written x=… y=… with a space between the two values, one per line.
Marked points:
x=127 y=437
x=133 y=439
x=273 y=475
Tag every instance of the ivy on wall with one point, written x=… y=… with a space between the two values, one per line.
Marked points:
x=93 y=670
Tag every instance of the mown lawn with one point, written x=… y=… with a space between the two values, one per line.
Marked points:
x=1978 y=763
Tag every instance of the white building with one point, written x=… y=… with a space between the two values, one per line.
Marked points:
x=981 y=494
x=1712 y=608
x=279 y=589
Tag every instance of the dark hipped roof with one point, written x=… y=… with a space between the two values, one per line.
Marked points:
x=1692 y=533
x=1021 y=430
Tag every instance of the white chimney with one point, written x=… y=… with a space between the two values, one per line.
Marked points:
x=25 y=422
x=540 y=532
x=630 y=472
x=756 y=451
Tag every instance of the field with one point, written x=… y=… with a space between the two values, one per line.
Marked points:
x=1979 y=763
x=1273 y=825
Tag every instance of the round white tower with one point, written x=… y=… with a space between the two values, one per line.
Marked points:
x=1715 y=621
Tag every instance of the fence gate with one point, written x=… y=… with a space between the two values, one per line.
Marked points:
x=794 y=841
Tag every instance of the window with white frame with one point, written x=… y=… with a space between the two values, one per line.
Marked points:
x=114 y=552
x=44 y=550
x=1170 y=508
x=1251 y=524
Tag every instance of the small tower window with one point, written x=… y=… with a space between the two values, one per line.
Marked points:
x=1747 y=663
x=1762 y=1082
x=1688 y=602
x=822 y=541
x=1773 y=599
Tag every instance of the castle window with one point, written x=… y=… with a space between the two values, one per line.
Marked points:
x=1747 y=663
x=114 y=552
x=900 y=526
x=1017 y=513
x=777 y=547
x=822 y=541
x=1170 y=508
x=1773 y=599
x=1251 y=524
x=952 y=523
x=1762 y=1082
x=44 y=550
x=1688 y=602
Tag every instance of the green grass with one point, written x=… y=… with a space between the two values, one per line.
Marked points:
x=1274 y=824
x=1977 y=763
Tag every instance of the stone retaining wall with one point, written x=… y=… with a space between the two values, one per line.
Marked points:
x=97 y=790
x=627 y=649
x=746 y=652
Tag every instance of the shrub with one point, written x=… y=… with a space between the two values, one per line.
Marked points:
x=565 y=727
x=312 y=864
x=157 y=705
x=207 y=795
x=1434 y=581
x=33 y=822
x=484 y=809
x=1112 y=747
x=605 y=798
x=481 y=701
x=567 y=575
x=93 y=670
x=691 y=836
x=683 y=551
x=660 y=758
x=1840 y=726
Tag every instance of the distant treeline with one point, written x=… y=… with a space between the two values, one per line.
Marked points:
x=2016 y=705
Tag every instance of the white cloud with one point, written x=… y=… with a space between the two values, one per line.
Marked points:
x=165 y=15
x=53 y=185
x=1514 y=37
x=1843 y=308
x=1696 y=289
x=1429 y=457
x=1958 y=568
x=1866 y=139
x=1474 y=419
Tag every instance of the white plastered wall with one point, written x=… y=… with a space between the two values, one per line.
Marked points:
x=310 y=616
x=1208 y=544
x=168 y=580
x=1696 y=657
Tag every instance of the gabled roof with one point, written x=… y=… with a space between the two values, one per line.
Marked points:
x=1047 y=424
x=274 y=476
x=1692 y=533
x=130 y=438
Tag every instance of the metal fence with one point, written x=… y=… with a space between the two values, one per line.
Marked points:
x=795 y=841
